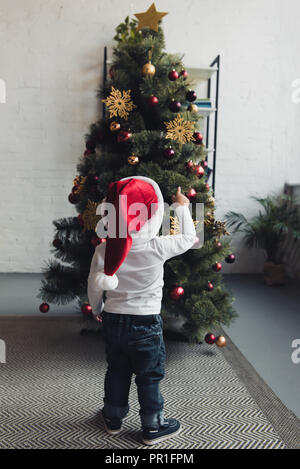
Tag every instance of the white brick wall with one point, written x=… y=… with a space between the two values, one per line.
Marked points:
x=51 y=61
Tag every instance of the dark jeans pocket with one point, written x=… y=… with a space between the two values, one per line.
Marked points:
x=144 y=352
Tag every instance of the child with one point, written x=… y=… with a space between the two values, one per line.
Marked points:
x=131 y=317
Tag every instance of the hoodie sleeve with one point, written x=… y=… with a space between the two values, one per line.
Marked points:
x=173 y=245
x=95 y=294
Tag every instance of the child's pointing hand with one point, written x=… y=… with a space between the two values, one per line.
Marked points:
x=180 y=198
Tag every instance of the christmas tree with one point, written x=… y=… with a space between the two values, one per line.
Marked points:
x=150 y=128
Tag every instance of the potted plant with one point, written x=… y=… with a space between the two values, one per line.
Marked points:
x=277 y=220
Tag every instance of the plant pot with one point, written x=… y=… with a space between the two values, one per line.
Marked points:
x=274 y=274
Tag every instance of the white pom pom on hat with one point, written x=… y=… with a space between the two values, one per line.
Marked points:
x=104 y=282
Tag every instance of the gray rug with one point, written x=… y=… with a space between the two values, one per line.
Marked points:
x=51 y=390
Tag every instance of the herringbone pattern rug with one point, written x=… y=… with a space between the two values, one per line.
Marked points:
x=51 y=393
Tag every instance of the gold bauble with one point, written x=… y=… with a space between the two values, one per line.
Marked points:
x=114 y=126
x=148 y=70
x=220 y=341
x=193 y=108
x=133 y=160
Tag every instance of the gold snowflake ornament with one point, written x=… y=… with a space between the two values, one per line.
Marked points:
x=119 y=103
x=180 y=130
x=175 y=225
x=89 y=217
x=218 y=227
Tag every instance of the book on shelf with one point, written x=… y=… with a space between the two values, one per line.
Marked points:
x=205 y=102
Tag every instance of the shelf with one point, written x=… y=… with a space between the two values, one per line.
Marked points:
x=201 y=73
x=206 y=111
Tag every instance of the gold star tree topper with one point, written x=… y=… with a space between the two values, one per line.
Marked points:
x=119 y=104
x=180 y=130
x=150 y=18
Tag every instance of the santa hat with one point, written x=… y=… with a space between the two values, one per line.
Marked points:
x=143 y=224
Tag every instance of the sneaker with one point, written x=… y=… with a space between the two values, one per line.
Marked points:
x=170 y=428
x=112 y=426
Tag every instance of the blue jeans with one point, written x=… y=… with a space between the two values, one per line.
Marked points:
x=134 y=345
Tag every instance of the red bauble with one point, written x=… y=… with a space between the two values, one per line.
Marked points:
x=198 y=138
x=175 y=106
x=204 y=164
x=218 y=244
x=44 y=308
x=173 y=75
x=111 y=72
x=57 y=243
x=86 y=309
x=189 y=164
x=95 y=241
x=169 y=153
x=209 y=286
x=73 y=198
x=152 y=100
x=217 y=267
x=191 y=194
x=210 y=338
x=184 y=74
x=80 y=220
x=75 y=188
x=92 y=183
x=230 y=259
x=93 y=179
x=199 y=171
x=191 y=96
x=176 y=293
x=207 y=188
x=124 y=136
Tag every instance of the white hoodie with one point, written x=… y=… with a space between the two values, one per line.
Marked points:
x=140 y=276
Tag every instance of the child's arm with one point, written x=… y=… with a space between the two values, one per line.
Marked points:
x=95 y=294
x=174 y=245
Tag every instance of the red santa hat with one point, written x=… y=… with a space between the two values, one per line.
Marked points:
x=130 y=221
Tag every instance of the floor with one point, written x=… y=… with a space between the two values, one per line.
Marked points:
x=269 y=320
x=51 y=394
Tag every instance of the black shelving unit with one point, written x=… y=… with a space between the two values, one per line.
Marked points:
x=215 y=63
